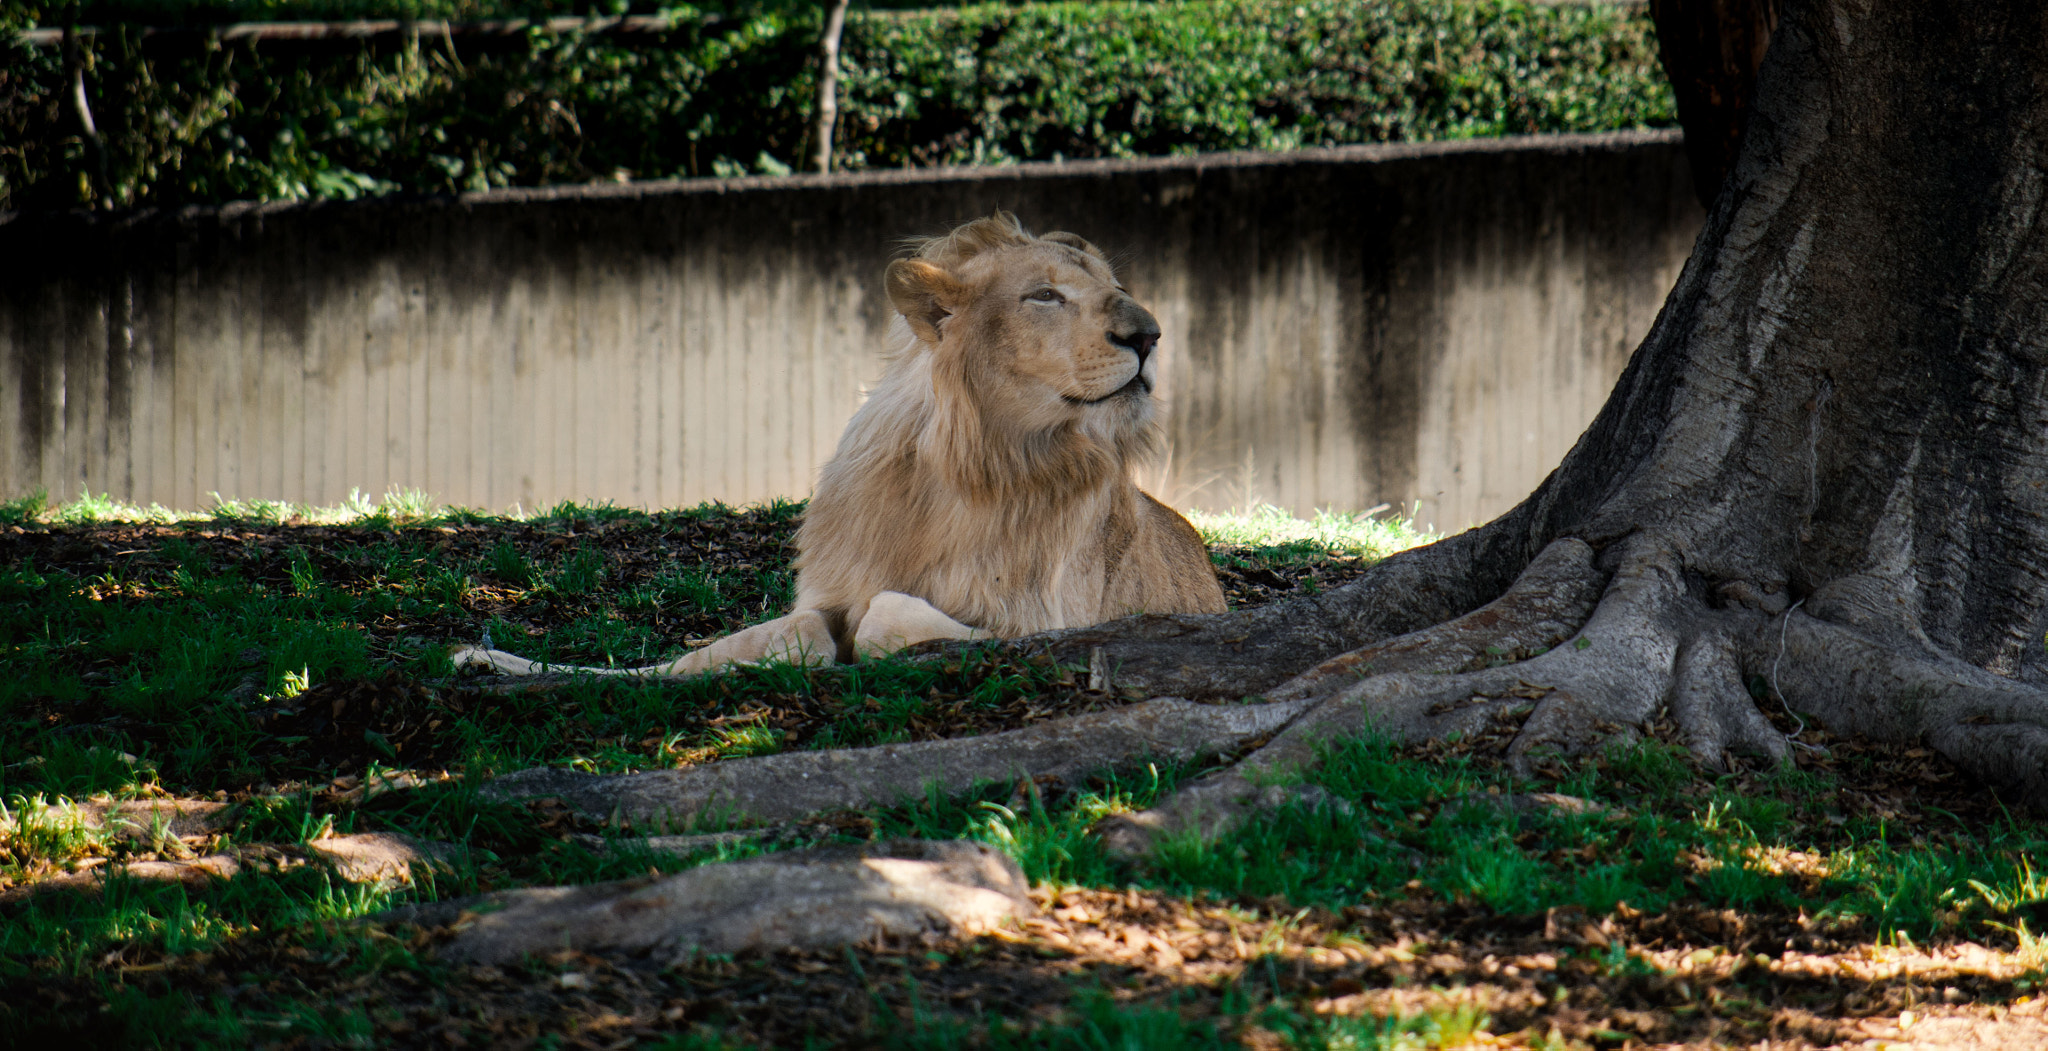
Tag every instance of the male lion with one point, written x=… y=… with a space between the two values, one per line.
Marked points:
x=984 y=488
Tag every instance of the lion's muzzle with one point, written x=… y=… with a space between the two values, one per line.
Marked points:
x=1133 y=328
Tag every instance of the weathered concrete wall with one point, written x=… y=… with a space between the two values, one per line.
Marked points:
x=1400 y=324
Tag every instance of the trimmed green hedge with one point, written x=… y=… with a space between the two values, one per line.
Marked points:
x=983 y=84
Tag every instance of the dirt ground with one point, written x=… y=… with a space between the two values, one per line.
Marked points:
x=1258 y=973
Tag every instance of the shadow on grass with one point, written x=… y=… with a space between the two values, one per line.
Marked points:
x=1431 y=897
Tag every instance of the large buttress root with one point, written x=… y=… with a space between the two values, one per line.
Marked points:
x=1611 y=676
x=1714 y=713
x=1546 y=605
x=1884 y=679
x=1631 y=645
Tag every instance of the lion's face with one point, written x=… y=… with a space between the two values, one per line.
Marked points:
x=1039 y=333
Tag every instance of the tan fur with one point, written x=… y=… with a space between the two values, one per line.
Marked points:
x=989 y=471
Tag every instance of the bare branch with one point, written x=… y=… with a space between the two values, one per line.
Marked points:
x=825 y=110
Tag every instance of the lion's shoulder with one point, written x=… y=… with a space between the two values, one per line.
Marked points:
x=1163 y=567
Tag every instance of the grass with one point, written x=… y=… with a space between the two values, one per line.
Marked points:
x=1275 y=534
x=398 y=506
x=276 y=657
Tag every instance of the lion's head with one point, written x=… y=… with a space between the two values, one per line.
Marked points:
x=1035 y=347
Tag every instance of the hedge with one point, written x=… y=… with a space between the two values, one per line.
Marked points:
x=990 y=84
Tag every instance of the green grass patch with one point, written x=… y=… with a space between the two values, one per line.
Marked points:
x=1273 y=535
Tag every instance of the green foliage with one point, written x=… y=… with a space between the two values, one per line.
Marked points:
x=731 y=93
x=992 y=84
x=24 y=509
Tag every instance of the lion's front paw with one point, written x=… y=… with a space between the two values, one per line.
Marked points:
x=895 y=620
x=803 y=637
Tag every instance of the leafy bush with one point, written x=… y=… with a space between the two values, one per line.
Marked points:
x=731 y=93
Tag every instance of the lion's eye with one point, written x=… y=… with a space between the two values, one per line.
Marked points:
x=1046 y=295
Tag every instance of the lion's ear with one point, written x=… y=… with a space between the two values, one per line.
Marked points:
x=1061 y=237
x=923 y=294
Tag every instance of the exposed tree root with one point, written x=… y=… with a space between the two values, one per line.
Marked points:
x=1250 y=653
x=1568 y=659
x=1546 y=606
x=819 y=898
x=1713 y=711
x=1879 y=676
x=781 y=787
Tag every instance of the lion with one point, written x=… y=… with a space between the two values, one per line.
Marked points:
x=984 y=489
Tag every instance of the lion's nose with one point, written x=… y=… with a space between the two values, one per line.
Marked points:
x=1139 y=343
x=1133 y=328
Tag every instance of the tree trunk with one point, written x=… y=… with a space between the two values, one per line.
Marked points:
x=1711 y=50
x=825 y=110
x=1822 y=480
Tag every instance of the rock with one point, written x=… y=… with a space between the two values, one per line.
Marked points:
x=822 y=897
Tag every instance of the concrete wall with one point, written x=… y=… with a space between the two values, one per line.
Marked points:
x=1400 y=324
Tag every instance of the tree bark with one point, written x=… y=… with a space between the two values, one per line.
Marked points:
x=1822 y=479
x=1711 y=50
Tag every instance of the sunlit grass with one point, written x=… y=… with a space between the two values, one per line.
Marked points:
x=397 y=505
x=1344 y=534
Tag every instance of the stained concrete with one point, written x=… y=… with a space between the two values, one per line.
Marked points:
x=1427 y=325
